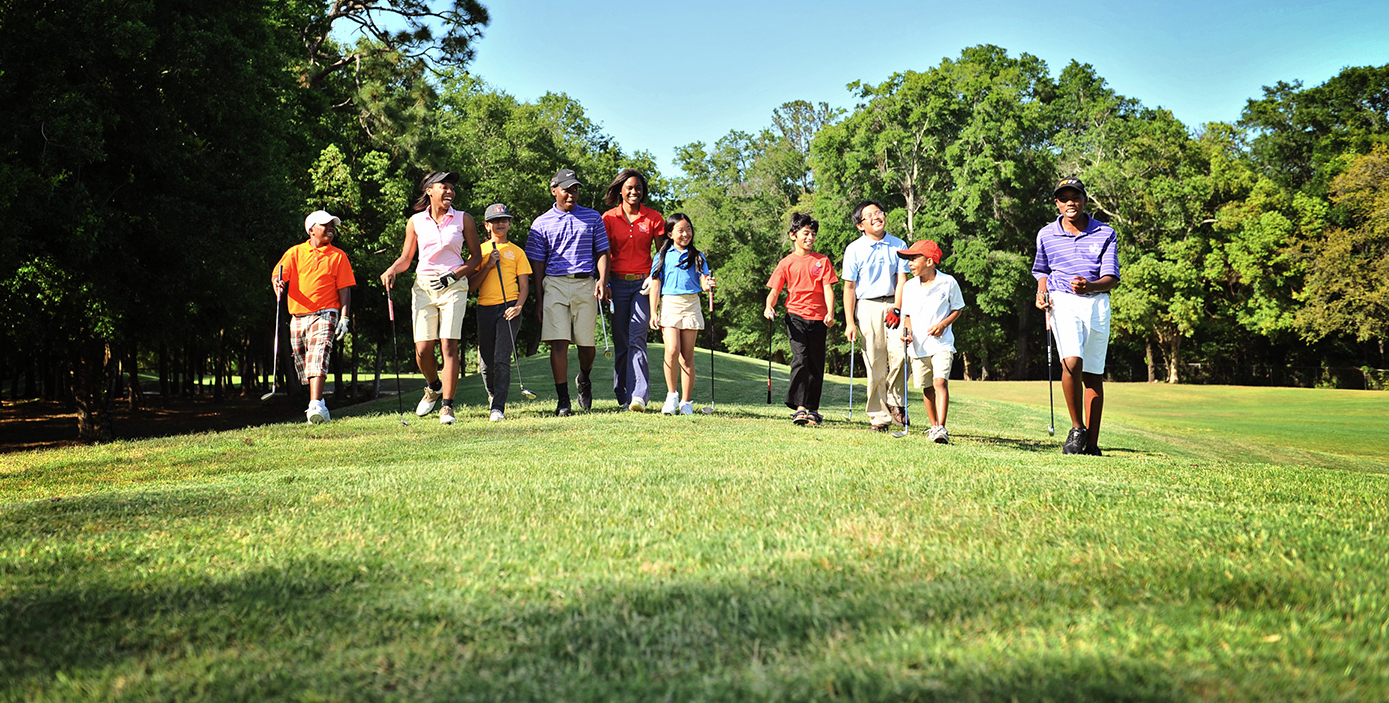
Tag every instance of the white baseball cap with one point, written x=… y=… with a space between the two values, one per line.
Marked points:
x=320 y=217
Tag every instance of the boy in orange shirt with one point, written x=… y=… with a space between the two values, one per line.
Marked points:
x=319 y=280
x=808 y=277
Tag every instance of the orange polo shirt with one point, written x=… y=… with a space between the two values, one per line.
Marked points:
x=314 y=276
x=629 y=243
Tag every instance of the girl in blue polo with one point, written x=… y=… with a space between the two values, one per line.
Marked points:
x=679 y=273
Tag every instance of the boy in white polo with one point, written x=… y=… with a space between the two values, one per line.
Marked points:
x=931 y=302
x=1077 y=265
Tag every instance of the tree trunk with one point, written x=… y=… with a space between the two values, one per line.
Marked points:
x=352 y=390
x=1171 y=348
x=964 y=363
x=1020 y=357
x=1148 y=359
x=219 y=372
x=136 y=394
x=86 y=387
x=164 y=374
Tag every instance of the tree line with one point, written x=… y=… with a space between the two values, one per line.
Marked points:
x=160 y=155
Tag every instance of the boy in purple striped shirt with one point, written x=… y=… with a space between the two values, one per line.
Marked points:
x=1077 y=265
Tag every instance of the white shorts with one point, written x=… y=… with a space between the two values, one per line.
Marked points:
x=1081 y=326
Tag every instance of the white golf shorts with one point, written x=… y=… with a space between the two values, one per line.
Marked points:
x=1081 y=326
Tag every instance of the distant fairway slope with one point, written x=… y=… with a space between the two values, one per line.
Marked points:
x=1231 y=546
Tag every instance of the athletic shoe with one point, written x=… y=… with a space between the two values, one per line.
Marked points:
x=879 y=428
x=672 y=399
x=932 y=432
x=496 y=416
x=942 y=435
x=585 y=387
x=427 y=403
x=899 y=414
x=317 y=412
x=1092 y=451
x=687 y=407
x=637 y=405
x=1075 y=441
x=563 y=411
x=446 y=415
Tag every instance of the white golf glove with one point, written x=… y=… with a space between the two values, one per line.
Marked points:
x=340 y=332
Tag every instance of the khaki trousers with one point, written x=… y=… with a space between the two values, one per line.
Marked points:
x=882 y=354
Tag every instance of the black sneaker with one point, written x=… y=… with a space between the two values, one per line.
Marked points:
x=563 y=411
x=1075 y=441
x=1092 y=451
x=585 y=387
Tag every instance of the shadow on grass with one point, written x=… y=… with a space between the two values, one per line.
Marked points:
x=137 y=626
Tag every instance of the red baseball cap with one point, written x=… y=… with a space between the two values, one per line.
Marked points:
x=925 y=247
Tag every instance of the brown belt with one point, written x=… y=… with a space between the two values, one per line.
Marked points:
x=629 y=276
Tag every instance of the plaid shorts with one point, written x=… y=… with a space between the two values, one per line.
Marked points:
x=311 y=338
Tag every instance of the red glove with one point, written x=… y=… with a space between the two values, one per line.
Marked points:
x=894 y=318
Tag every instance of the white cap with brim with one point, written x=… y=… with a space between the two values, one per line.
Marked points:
x=319 y=217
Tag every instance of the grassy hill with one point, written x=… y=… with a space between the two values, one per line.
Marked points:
x=1230 y=546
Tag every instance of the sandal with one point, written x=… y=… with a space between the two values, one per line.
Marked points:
x=801 y=417
x=815 y=418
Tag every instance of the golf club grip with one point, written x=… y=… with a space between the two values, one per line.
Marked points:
x=390 y=307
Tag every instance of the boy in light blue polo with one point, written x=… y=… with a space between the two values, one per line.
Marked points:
x=873 y=279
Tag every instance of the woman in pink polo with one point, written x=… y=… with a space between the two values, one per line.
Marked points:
x=438 y=232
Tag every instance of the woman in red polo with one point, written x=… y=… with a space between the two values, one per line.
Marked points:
x=633 y=229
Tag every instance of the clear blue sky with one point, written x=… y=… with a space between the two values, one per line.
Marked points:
x=657 y=75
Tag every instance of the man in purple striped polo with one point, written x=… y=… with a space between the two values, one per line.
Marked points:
x=1077 y=265
x=568 y=251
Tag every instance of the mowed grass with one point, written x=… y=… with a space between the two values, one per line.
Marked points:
x=616 y=556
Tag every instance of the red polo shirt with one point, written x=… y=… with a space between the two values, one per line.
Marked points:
x=630 y=242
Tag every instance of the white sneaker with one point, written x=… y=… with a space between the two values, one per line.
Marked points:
x=637 y=405
x=496 y=416
x=427 y=403
x=671 y=400
x=687 y=408
x=943 y=436
x=446 y=415
x=317 y=412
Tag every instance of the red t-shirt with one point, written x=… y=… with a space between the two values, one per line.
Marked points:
x=630 y=242
x=804 y=277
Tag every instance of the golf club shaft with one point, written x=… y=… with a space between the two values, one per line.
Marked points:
x=1051 y=398
x=275 y=361
x=395 y=349
x=769 y=361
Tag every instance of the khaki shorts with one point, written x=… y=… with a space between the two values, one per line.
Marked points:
x=439 y=313
x=927 y=368
x=682 y=312
x=570 y=311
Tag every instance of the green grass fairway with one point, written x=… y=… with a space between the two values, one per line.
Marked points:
x=1211 y=555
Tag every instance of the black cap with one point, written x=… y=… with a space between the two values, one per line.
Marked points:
x=496 y=211
x=439 y=177
x=1071 y=182
x=564 y=178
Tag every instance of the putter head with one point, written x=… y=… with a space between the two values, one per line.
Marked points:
x=845 y=417
x=269 y=395
x=707 y=410
x=607 y=353
x=1051 y=430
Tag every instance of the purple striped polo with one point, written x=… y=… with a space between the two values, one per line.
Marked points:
x=567 y=242
x=1092 y=254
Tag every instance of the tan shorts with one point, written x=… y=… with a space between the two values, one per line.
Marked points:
x=439 y=313
x=927 y=368
x=682 y=312
x=570 y=311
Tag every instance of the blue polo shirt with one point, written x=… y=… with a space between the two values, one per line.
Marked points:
x=873 y=266
x=567 y=242
x=1061 y=256
x=681 y=281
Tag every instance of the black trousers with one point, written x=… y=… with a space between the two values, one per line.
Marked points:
x=807 y=361
x=495 y=335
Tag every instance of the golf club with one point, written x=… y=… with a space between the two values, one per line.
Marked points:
x=769 y=361
x=395 y=349
x=607 y=348
x=710 y=410
x=906 y=399
x=1051 y=399
x=850 y=416
x=275 y=364
x=515 y=353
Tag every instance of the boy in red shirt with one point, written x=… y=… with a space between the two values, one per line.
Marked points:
x=808 y=277
x=319 y=279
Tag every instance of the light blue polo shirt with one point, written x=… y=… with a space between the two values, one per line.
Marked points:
x=873 y=266
x=681 y=281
